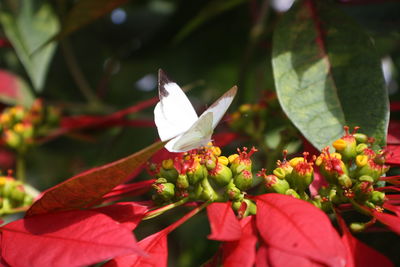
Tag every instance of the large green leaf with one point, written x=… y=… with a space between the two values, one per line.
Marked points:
x=28 y=29
x=327 y=74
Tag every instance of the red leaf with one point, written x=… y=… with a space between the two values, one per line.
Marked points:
x=318 y=182
x=127 y=213
x=13 y=90
x=393 y=136
x=262 y=256
x=155 y=246
x=394 y=105
x=393 y=157
x=69 y=238
x=85 y=121
x=358 y=253
x=224 y=139
x=135 y=189
x=223 y=222
x=164 y=154
x=392 y=208
x=393 y=222
x=242 y=252
x=88 y=187
x=299 y=229
x=282 y=258
x=7 y=159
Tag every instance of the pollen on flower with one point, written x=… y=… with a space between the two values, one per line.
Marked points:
x=330 y=164
x=232 y=157
x=244 y=155
x=223 y=160
x=269 y=180
x=339 y=144
x=284 y=163
x=167 y=164
x=301 y=165
x=262 y=173
x=361 y=160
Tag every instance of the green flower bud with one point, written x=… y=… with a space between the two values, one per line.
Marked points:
x=322 y=202
x=242 y=161
x=335 y=197
x=363 y=191
x=251 y=207
x=302 y=174
x=273 y=184
x=12 y=139
x=28 y=200
x=357 y=227
x=170 y=174
x=244 y=208
x=182 y=181
x=198 y=173
x=208 y=192
x=236 y=205
x=371 y=169
x=282 y=172
x=378 y=197
x=346 y=145
x=53 y=115
x=28 y=131
x=233 y=192
x=360 y=137
x=18 y=112
x=345 y=181
x=221 y=174
x=195 y=194
x=8 y=187
x=370 y=204
x=164 y=191
x=361 y=147
x=331 y=166
x=6 y=205
x=17 y=194
x=243 y=180
x=211 y=163
x=366 y=178
x=292 y=192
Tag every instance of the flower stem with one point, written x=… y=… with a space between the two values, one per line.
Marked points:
x=20 y=167
x=154 y=213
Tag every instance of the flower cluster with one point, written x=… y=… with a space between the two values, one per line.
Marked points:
x=13 y=195
x=19 y=125
x=290 y=177
x=351 y=173
x=205 y=175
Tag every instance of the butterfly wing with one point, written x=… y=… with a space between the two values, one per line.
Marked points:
x=198 y=135
x=219 y=107
x=174 y=114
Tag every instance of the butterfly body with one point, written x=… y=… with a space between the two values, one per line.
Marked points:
x=177 y=121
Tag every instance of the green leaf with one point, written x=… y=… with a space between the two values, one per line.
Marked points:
x=85 y=12
x=88 y=187
x=27 y=30
x=14 y=90
x=327 y=74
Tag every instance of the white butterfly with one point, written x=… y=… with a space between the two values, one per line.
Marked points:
x=177 y=121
